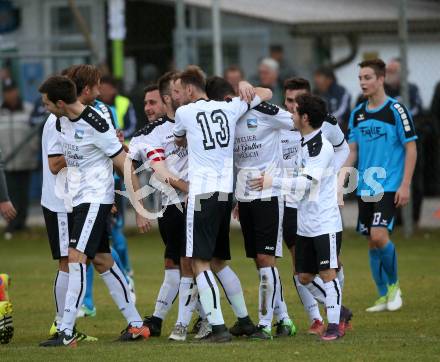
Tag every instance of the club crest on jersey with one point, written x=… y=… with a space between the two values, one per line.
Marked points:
x=79 y=134
x=361 y=117
x=252 y=124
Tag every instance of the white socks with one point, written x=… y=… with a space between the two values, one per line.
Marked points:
x=120 y=292
x=333 y=300
x=310 y=304
x=167 y=293
x=341 y=277
x=74 y=296
x=280 y=310
x=267 y=296
x=59 y=290
x=187 y=300
x=234 y=293
x=317 y=289
x=210 y=297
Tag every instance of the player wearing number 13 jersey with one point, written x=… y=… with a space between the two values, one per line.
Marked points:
x=209 y=128
x=257 y=149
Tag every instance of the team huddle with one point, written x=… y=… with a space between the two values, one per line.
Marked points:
x=215 y=153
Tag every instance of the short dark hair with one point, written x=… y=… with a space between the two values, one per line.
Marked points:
x=326 y=71
x=296 y=83
x=378 y=65
x=108 y=79
x=276 y=48
x=59 y=88
x=193 y=75
x=150 y=88
x=217 y=88
x=314 y=107
x=83 y=75
x=164 y=83
x=234 y=68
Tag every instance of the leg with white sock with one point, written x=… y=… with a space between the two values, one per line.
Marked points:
x=187 y=300
x=119 y=290
x=74 y=296
x=233 y=291
x=167 y=293
x=234 y=294
x=60 y=289
x=340 y=275
x=317 y=289
x=309 y=302
x=285 y=326
x=333 y=305
x=210 y=299
x=266 y=297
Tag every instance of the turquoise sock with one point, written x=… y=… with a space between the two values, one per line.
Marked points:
x=379 y=275
x=389 y=261
x=88 y=297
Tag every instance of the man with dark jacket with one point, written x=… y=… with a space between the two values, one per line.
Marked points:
x=14 y=129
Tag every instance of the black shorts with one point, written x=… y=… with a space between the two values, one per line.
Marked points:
x=90 y=229
x=207 y=226
x=316 y=253
x=290 y=225
x=172 y=231
x=381 y=213
x=261 y=224
x=59 y=227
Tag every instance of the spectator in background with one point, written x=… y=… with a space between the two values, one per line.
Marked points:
x=337 y=98
x=392 y=87
x=19 y=152
x=285 y=70
x=234 y=75
x=154 y=107
x=123 y=107
x=7 y=210
x=268 y=72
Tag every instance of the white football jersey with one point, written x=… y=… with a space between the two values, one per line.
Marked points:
x=318 y=211
x=155 y=142
x=291 y=144
x=51 y=146
x=257 y=148
x=209 y=127
x=89 y=142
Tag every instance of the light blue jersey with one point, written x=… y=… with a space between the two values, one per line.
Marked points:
x=380 y=135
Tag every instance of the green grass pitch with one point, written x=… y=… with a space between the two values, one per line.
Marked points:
x=412 y=333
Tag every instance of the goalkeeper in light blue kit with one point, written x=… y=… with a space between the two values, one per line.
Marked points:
x=382 y=139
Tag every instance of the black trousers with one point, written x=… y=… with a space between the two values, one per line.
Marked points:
x=18 y=187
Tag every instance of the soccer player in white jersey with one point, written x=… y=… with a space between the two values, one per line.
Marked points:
x=91 y=149
x=58 y=219
x=208 y=127
x=291 y=144
x=257 y=149
x=154 y=147
x=319 y=232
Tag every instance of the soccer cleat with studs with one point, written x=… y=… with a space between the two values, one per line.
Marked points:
x=179 y=333
x=285 y=328
x=317 y=328
x=61 y=339
x=242 y=327
x=154 y=324
x=204 y=330
x=262 y=333
x=132 y=334
x=6 y=326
